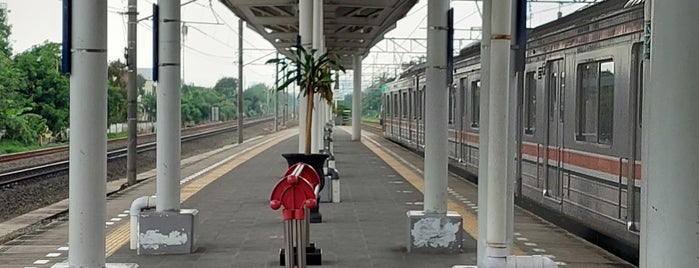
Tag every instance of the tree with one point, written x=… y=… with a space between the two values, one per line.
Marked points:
x=43 y=88
x=148 y=101
x=371 y=99
x=117 y=80
x=255 y=99
x=226 y=86
x=23 y=126
x=5 y=31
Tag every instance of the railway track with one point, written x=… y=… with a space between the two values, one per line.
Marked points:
x=58 y=168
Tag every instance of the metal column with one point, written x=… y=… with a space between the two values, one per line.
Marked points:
x=436 y=116
x=670 y=165
x=496 y=233
x=168 y=108
x=306 y=32
x=88 y=121
x=357 y=98
x=317 y=125
x=483 y=124
x=276 y=94
x=132 y=92
x=241 y=113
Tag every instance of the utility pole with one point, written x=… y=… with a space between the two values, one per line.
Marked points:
x=131 y=93
x=240 y=81
x=184 y=36
x=276 y=94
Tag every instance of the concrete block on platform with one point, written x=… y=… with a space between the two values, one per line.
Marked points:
x=167 y=232
x=434 y=233
x=108 y=265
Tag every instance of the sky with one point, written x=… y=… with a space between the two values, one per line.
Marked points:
x=211 y=43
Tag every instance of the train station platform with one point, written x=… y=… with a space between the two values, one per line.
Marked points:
x=231 y=186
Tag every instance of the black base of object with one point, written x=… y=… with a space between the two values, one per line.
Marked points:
x=313 y=255
x=315 y=217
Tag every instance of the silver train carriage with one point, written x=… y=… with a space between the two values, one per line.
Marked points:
x=580 y=115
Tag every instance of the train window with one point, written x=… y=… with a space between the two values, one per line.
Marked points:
x=530 y=103
x=475 y=103
x=404 y=105
x=387 y=110
x=396 y=112
x=420 y=101
x=451 y=104
x=412 y=103
x=596 y=102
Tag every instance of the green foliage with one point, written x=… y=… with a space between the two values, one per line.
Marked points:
x=41 y=86
x=140 y=83
x=255 y=100
x=24 y=127
x=371 y=97
x=117 y=135
x=117 y=80
x=12 y=146
x=227 y=86
x=340 y=107
x=116 y=108
x=148 y=101
x=314 y=72
x=5 y=31
x=370 y=119
x=314 y=75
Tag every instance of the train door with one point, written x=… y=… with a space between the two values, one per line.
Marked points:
x=635 y=119
x=555 y=82
x=411 y=118
x=463 y=145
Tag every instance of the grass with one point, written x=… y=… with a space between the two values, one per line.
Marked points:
x=372 y=119
x=117 y=135
x=10 y=146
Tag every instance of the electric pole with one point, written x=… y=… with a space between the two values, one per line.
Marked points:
x=132 y=120
x=240 y=81
x=276 y=94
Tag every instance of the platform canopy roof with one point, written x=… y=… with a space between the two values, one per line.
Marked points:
x=350 y=26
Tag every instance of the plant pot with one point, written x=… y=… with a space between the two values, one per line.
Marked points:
x=317 y=161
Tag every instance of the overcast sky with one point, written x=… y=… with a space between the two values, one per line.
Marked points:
x=211 y=50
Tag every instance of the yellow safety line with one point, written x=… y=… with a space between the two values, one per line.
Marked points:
x=120 y=236
x=470 y=221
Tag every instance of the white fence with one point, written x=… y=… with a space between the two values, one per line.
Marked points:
x=143 y=127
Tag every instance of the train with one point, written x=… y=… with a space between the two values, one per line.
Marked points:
x=580 y=113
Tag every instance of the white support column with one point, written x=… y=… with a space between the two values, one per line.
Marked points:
x=317 y=125
x=357 y=98
x=88 y=149
x=647 y=18
x=434 y=222
x=306 y=32
x=500 y=68
x=306 y=36
x=483 y=133
x=168 y=110
x=436 y=112
x=671 y=214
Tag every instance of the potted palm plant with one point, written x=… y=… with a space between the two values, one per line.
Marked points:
x=314 y=74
